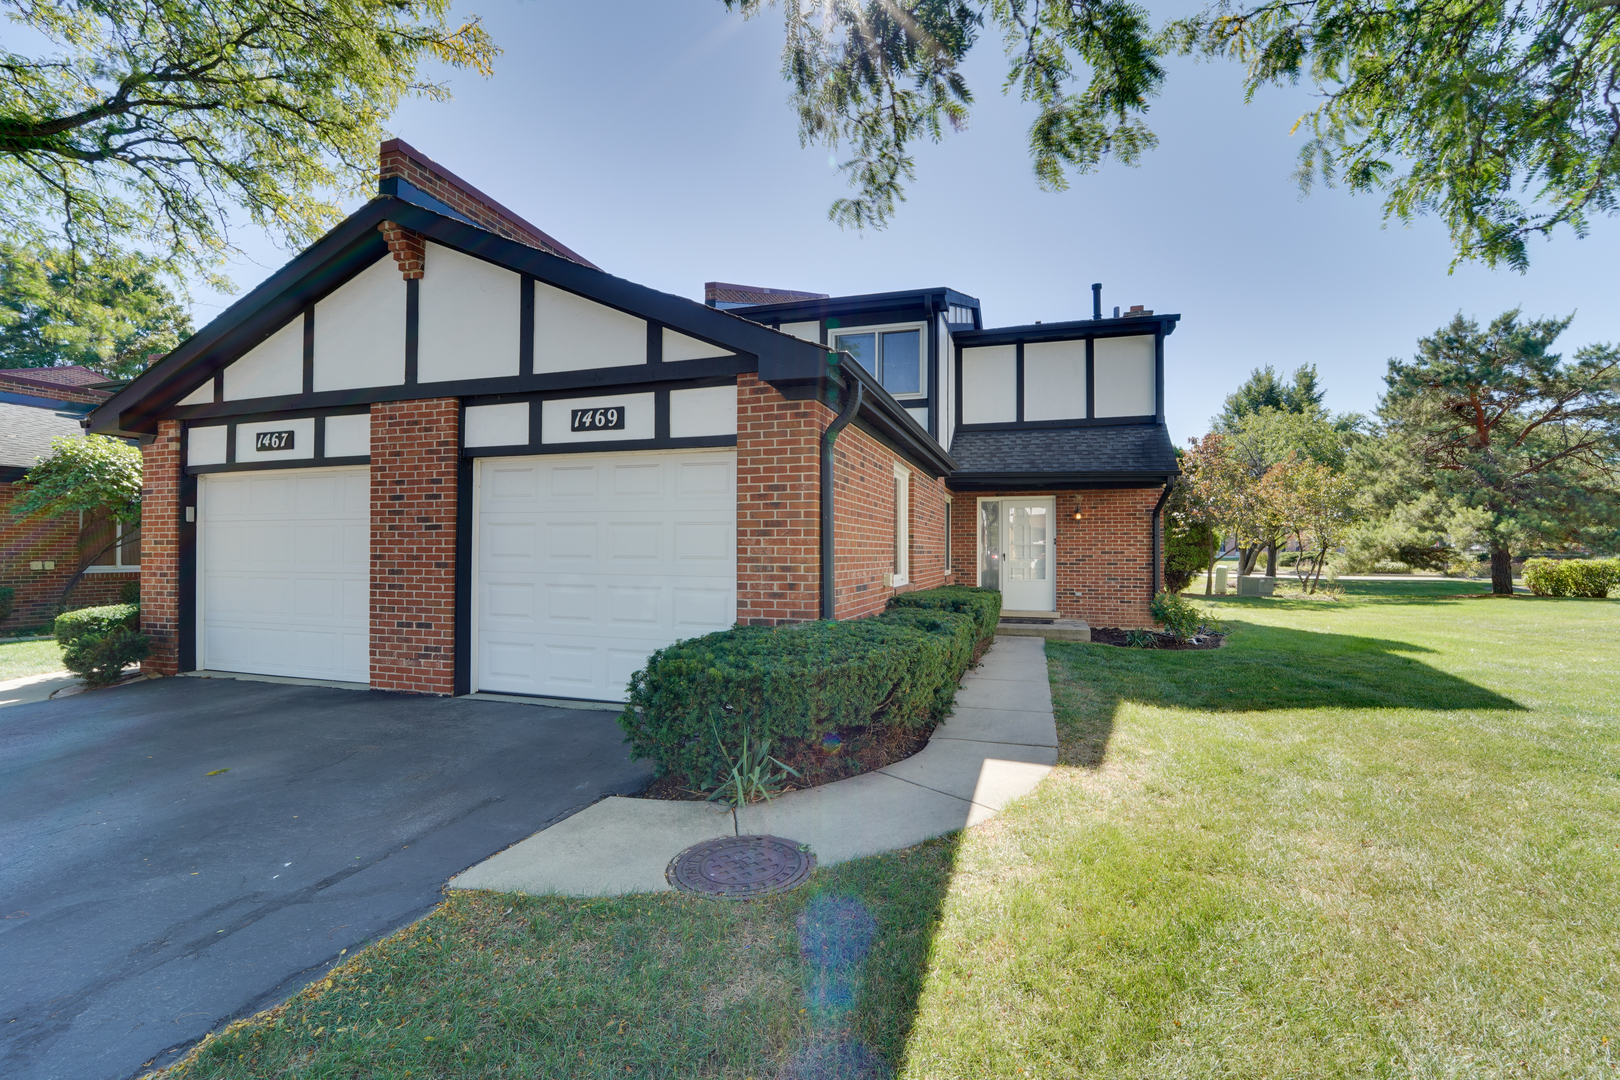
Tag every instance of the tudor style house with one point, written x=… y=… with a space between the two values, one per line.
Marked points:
x=440 y=452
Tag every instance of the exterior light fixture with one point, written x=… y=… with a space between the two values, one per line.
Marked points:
x=1077 y=514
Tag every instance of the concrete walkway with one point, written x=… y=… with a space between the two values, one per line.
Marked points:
x=31 y=688
x=998 y=743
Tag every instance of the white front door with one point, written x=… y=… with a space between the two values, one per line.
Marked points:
x=1016 y=552
x=588 y=563
x=284 y=573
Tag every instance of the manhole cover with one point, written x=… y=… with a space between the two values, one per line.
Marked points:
x=741 y=867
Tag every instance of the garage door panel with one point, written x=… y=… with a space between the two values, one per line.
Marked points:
x=511 y=540
x=636 y=480
x=572 y=481
x=285 y=585
x=638 y=550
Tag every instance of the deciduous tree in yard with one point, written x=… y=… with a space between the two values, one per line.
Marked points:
x=92 y=475
x=108 y=313
x=1312 y=503
x=1492 y=422
x=1501 y=118
x=150 y=124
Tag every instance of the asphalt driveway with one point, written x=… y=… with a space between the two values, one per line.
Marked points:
x=149 y=896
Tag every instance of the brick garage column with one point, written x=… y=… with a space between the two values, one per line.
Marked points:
x=160 y=549
x=778 y=504
x=415 y=448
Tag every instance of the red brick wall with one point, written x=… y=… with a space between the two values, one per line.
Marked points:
x=415 y=448
x=863 y=525
x=39 y=592
x=779 y=513
x=1104 y=560
x=160 y=548
x=399 y=159
x=19 y=383
x=778 y=505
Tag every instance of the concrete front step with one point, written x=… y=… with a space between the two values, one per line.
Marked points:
x=1053 y=630
x=997 y=745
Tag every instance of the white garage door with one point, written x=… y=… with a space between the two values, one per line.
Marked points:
x=284 y=574
x=587 y=563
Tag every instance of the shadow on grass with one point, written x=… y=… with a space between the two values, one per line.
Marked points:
x=1261 y=668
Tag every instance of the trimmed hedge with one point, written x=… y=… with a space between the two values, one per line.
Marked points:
x=1572 y=577
x=691 y=705
x=99 y=642
x=72 y=625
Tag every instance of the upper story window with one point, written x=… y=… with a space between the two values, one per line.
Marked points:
x=892 y=355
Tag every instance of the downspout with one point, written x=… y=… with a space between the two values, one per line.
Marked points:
x=1158 y=538
x=852 y=402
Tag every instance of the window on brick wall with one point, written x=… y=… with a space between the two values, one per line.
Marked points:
x=947 y=538
x=902 y=525
x=108 y=545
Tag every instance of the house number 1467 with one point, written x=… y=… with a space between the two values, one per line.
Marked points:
x=597 y=419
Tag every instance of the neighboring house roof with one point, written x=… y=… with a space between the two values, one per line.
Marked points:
x=26 y=434
x=1096 y=453
x=717 y=293
x=69 y=382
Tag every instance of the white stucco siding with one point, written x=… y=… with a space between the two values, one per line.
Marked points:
x=469 y=318
x=271 y=368
x=707 y=410
x=678 y=346
x=1124 y=371
x=990 y=384
x=1055 y=380
x=572 y=333
x=360 y=331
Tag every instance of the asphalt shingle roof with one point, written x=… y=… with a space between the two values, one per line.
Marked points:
x=1127 y=448
x=26 y=432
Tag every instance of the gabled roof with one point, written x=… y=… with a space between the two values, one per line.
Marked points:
x=801 y=368
x=725 y=294
x=1099 y=453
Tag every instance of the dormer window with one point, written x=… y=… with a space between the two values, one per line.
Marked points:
x=893 y=356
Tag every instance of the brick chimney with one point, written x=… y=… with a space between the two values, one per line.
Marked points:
x=409 y=174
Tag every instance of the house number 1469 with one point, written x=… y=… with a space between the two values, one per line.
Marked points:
x=597 y=419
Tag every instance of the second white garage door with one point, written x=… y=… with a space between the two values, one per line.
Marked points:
x=588 y=563
x=285 y=573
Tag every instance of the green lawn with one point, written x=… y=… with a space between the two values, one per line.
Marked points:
x=1377 y=837
x=19 y=658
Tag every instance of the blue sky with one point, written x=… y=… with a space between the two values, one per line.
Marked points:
x=656 y=138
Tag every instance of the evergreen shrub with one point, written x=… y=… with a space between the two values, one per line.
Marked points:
x=8 y=600
x=693 y=704
x=99 y=642
x=1572 y=577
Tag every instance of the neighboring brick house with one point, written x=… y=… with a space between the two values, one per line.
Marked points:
x=441 y=452
x=39 y=556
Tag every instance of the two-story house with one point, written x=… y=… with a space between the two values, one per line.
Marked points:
x=441 y=452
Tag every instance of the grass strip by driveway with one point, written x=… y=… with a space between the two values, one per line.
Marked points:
x=1378 y=837
x=20 y=658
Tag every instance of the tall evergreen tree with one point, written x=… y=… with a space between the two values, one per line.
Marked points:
x=1493 y=423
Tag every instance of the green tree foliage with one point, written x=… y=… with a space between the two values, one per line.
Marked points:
x=1494 y=428
x=152 y=123
x=107 y=313
x=89 y=474
x=1502 y=118
x=1263 y=390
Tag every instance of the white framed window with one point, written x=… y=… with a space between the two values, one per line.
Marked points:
x=892 y=354
x=902 y=525
x=948 y=569
x=111 y=546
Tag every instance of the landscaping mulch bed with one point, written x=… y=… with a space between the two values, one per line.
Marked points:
x=848 y=752
x=1113 y=635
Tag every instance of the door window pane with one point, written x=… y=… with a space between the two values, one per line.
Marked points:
x=990 y=553
x=1027 y=547
x=129 y=548
x=902 y=362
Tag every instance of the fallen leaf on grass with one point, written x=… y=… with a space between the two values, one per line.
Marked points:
x=216 y=772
